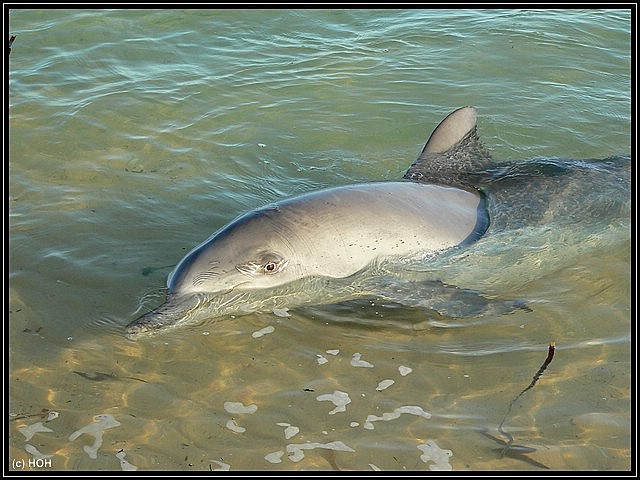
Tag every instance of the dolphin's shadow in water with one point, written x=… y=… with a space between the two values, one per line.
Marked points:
x=435 y=304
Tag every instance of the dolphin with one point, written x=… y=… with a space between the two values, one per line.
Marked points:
x=386 y=239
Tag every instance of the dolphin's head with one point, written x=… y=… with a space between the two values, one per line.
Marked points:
x=253 y=252
x=227 y=272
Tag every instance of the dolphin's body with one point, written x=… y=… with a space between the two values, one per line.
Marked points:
x=356 y=241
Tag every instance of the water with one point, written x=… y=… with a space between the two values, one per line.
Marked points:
x=135 y=134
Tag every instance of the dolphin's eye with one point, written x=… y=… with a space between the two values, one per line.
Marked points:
x=273 y=265
x=264 y=266
x=270 y=267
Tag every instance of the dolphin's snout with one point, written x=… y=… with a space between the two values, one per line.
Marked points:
x=133 y=329
x=147 y=323
x=171 y=312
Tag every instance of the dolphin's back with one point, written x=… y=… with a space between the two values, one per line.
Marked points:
x=384 y=219
x=530 y=192
x=551 y=191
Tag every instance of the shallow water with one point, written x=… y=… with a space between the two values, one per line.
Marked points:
x=135 y=134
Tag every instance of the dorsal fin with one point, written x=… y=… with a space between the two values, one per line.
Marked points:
x=451 y=130
x=453 y=153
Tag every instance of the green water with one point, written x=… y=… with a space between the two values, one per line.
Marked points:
x=134 y=134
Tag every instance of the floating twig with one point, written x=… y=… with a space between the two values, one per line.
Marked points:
x=543 y=367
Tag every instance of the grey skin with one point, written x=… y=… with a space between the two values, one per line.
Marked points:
x=359 y=241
